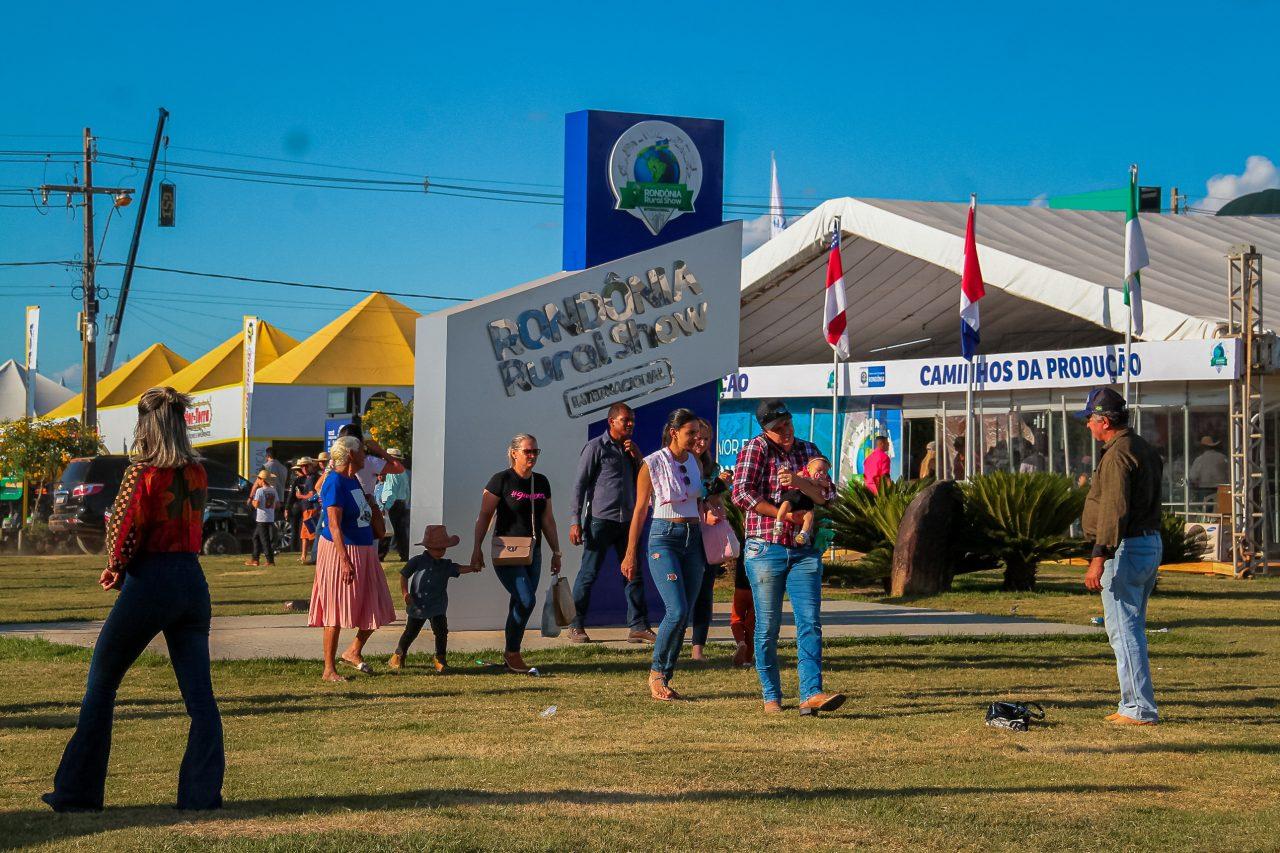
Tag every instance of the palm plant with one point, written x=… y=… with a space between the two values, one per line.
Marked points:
x=868 y=522
x=1023 y=519
x=1182 y=544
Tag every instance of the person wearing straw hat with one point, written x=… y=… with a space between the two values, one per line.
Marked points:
x=424 y=582
x=1210 y=469
x=305 y=498
x=394 y=498
x=264 y=499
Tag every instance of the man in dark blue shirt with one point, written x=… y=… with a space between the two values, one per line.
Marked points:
x=606 y=487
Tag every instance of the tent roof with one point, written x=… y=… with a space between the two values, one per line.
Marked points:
x=371 y=344
x=224 y=364
x=127 y=382
x=13 y=392
x=1052 y=278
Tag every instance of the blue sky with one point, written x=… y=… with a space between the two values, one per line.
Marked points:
x=924 y=101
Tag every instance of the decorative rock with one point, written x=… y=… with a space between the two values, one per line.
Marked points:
x=922 y=554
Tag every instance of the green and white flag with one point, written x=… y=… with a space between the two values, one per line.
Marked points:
x=1135 y=255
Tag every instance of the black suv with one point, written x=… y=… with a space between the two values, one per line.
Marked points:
x=88 y=487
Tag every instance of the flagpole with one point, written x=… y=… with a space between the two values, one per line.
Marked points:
x=1128 y=332
x=968 y=395
x=835 y=408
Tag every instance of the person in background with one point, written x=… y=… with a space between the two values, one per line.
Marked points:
x=957 y=458
x=395 y=505
x=715 y=485
x=1034 y=461
x=350 y=590
x=517 y=501
x=424 y=583
x=774 y=563
x=877 y=466
x=279 y=472
x=153 y=547
x=1121 y=519
x=671 y=480
x=1209 y=470
x=376 y=461
x=929 y=465
x=305 y=498
x=605 y=489
x=264 y=499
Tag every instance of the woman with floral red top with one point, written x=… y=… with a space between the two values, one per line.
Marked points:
x=153 y=539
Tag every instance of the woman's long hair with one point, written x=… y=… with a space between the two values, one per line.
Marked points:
x=708 y=458
x=160 y=438
x=675 y=421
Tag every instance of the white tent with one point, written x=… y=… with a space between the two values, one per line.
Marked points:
x=13 y=392
x=1052 y=278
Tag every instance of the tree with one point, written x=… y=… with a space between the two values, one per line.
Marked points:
x=38 y=450
x=390 y=423
x=1023 y=519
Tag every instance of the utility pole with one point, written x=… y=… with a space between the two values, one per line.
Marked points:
x=89 y=313
x=1173 y=200
x=88 y=333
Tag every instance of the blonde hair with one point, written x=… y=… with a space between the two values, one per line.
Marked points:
x=516 y=441
x=160 y=438
x=341 y=450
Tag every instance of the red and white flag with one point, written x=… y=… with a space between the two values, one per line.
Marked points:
x=971 y=289
x=834 y=320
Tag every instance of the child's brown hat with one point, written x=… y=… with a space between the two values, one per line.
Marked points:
x=437 y=537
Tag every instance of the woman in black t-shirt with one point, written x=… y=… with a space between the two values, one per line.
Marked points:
x=521 y=500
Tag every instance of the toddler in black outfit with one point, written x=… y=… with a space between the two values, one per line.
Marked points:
x=424 y=584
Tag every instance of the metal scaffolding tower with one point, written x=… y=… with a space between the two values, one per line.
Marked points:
x=1249 y=533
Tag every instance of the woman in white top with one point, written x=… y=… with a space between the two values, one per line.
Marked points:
x=672 y=480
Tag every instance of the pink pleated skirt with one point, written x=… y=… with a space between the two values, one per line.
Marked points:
x=364 y=604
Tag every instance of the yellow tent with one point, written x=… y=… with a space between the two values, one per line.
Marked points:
x=224 y=364
x=151 y=367
x=371 y=344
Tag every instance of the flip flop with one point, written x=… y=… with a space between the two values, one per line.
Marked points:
x=363 y=666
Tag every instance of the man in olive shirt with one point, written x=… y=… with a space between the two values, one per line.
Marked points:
x=1122 y=520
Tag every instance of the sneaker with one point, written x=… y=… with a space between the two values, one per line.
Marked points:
x=1125 y=720
x=577 y=635
x=440 y=665
x=821 y=702
x=741 y=655
x=645 y=636
x=396 y=662
x=802 y=538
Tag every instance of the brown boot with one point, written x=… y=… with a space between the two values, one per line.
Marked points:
x=645 y=636
x=772 y=707
x=821 y=702
x=741 y=655
x=577 y=635
x=1126 y=720
x=515 y=663
x=396 y=662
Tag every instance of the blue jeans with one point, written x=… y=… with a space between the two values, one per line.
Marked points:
x=522 y=583
x=772 y=569
x=598 y=537
x=163 y=593
x=676 y=563
x=703 y=605
x=1127 y=581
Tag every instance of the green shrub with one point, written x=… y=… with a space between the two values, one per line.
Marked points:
x=1021 y=520
x=1180 y=545
x=868 y=522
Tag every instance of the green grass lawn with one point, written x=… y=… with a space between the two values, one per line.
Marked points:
x=413 y=760
x=50 y=589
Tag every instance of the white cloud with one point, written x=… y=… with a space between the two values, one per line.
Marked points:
x=71 y=374
x=1041 y=200
x=755 y=233
x=1259 y=174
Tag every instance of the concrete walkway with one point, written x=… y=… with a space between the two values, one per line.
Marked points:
x=287 y=635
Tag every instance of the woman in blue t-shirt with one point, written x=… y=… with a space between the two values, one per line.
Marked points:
x=350 y=590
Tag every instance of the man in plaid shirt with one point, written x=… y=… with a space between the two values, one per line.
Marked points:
x=769 y=464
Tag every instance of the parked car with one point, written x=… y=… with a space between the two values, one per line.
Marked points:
x=83 y=497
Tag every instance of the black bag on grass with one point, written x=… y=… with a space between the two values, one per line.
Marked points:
x=1013 y=715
